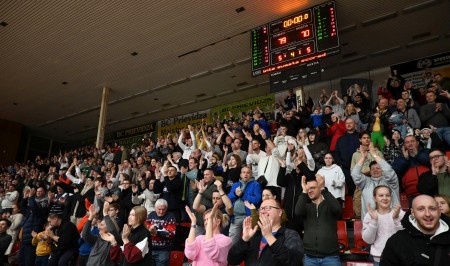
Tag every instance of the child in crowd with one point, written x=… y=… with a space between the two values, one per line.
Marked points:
x=317 y=118
x=43 y=247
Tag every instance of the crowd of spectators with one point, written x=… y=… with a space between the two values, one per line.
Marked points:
x=254 y=190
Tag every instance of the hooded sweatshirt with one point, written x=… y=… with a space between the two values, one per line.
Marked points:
x=334 y=173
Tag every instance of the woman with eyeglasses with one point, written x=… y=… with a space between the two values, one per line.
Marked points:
x=381 y=222
x=334 y=177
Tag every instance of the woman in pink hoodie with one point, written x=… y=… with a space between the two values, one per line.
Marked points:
x=212 y=248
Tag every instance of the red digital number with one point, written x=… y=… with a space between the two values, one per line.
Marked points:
x=305 y=33
x=282 y=40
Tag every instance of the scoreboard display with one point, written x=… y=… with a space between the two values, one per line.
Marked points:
x=296 y=39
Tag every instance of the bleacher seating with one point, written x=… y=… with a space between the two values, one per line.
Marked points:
x=342 y=236
x=176 y=258
x=347 y=211
x=361 y=247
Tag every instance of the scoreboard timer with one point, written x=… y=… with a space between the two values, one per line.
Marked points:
x=301 y=37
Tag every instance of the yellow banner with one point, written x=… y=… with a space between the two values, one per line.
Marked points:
x=265 y=103
x=175 y=124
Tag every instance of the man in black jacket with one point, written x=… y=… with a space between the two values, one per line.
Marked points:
x=425 y=239
x=272 y=245
x=5 y=240
x=64 y=235
x=320 y=212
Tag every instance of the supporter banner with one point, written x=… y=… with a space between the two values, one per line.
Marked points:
x=175 y=124
x=265 y=103
x=135 y=131
x=420 y=71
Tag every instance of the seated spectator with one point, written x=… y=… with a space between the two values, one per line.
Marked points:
x=211 y=248
x=437 y=179
x=381 y=173
x=273 y=244
x=11 y=198
x=381 y=222
x=410 y=116
x=162 y=227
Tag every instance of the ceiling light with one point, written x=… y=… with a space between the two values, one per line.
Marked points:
x=240 y=9
x=3 y=24
x=134 y=53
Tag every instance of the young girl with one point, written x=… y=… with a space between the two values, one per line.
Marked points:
x=444 y=204
x=382 y=222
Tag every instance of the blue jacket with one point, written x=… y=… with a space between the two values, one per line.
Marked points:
x=252 y=194
x=35 y=217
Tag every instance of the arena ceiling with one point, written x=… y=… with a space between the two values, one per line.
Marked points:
x=56 y=56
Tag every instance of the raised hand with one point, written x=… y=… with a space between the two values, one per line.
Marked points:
x=320 y=181
x=249 y=205
x=107 y=237
x=304 y=185
x=191 y=215
x=265 y=224
x=126 y=231
x=105 y=208
x=247 y=230
x=396 y=211
x=372 y=212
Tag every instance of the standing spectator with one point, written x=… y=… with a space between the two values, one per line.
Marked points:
x=435 y=115
x=336 y=103
x=393 y=147
x=336 y=130
x=34 y=206
x=292 y=182
x=147 y=198
x=334 y=178
x=317 y=206
x=382 y=222
x=137 y=246
x=64 y=235
x=203 y=197
x=11 y=198
x=190 y=145
x=381 y=173
x=437 y=180
x=379 y=123
x=5 y=240
x=425 y=240
x=345 y=147
x=410 y=165
x=16 y=218
x=170 y=189
x=162 y=226
x=43 y=247
x=211 y=248
x=273 y=244
x=247 y=189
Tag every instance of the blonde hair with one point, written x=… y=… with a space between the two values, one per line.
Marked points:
x=223 y=218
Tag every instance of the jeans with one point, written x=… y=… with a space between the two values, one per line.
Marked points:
x=444 y=134
x=161 y=257
x=27 y=254
x=62 y=258
x=325 y=261
x=236 y=228
x=42 y=260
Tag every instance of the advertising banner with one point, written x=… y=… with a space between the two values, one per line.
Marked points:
x=175 y=124
x=421 y=71
x=265 y=103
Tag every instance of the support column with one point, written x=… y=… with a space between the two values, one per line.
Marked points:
x=102 y=118
x=50 y=147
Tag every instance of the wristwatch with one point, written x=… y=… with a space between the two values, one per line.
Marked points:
x=193 y=226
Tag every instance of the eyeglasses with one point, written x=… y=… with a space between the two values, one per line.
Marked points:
x=267 y=208
x=312 y=188
x=435 y=157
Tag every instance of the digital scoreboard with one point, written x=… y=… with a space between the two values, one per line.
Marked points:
x=296 y=39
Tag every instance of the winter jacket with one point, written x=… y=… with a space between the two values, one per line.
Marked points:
x=252 y=193
x=434 y=184
x=286 y=250
x=411 y=247
x=36 y=212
